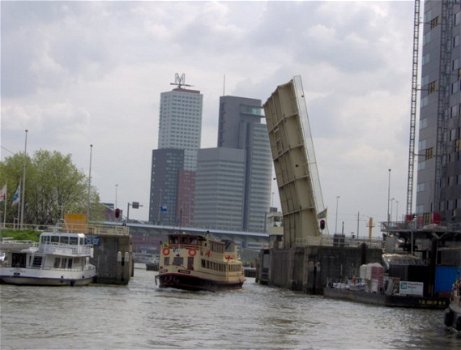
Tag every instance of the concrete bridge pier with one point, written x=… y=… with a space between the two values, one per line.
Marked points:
x=113 y=258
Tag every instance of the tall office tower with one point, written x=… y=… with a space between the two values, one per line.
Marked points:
x=240 y=129
x=179 y=128
x=438 y=196
x=219 y=195
x=180 y=123
x=167 y=163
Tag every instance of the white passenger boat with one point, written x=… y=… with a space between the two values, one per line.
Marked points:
x=59 y=259
x=196 y=262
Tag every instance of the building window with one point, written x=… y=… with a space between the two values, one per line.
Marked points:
x=458 y=145
x=434 y=22
x=428 y=153
x=455 y=40
x=454 y=111
x=432 y=87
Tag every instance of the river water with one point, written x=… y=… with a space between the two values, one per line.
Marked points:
x=141 y=315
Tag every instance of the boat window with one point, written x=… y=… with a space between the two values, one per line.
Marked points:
x=64 y=239
x=190 y=262
x=73 y=240
x=18 y=259
x=166 y=260
x=178 y=261
x=81 y=241
x=217 y=247
x=45 y=239
x=54 y=239
x=69 y=263
x=57 y=262
x=37 y=261
x=63 y=263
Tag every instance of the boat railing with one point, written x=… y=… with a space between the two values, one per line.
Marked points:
x=348 y=241
x=66 y=249
x=13 y=245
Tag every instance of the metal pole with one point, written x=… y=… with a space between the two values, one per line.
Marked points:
x=336 y=222
x=127 y=212
x=358 y=223
x=89 y=185
x=23 y=189
x=116 y=192
x=5 y=200
x=388 y=199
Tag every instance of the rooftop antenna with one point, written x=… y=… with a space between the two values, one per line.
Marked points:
x=180 y=80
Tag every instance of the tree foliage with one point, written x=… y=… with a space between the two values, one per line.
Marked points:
x=54 y=186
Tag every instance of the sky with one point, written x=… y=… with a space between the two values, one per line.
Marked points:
x=76 y=74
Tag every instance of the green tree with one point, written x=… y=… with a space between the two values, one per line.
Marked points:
x=54 y=186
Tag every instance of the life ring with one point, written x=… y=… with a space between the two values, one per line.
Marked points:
x=192 y=252
x=166 y=251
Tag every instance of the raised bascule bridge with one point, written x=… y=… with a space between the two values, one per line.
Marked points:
x=306 y=256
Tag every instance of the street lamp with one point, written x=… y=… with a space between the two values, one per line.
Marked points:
x=392 y=207
x=89 y=184
x=397 y=211
x=336 y=223
x=23 y=186
x=388 y=198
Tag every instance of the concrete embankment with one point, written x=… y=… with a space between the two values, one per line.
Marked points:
x=308 y=269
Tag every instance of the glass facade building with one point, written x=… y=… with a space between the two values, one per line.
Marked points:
x=438 y=191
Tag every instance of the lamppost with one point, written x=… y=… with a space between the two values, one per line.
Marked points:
x=89 y=185
x=397 y=211
x=388 y=198
x=336 y=222
x=392 y=207
x=23 y=186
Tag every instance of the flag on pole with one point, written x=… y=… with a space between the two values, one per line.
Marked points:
x=17 y=196
x=3 y=194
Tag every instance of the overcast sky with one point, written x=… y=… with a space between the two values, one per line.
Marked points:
x=81 y=73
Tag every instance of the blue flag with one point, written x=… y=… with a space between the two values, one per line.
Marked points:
x=16 y=196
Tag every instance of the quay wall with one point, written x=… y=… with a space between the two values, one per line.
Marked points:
x=309 y=269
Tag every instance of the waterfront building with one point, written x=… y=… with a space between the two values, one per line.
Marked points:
x=243 y=144
x=180 y=125
x=438 y=192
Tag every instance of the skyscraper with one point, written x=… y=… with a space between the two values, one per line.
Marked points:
x=438 y=193
x=243 y=142
x=220 y=190
x=179 y=129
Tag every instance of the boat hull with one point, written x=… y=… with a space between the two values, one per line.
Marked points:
x=386 y=300
x=34 y=281
x=37 y=277
x=452 y=316
x=194 y=283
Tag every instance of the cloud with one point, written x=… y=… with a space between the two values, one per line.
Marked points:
x=81 y=73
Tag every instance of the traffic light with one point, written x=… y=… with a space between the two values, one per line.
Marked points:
x=117 y=213
x=322 y=224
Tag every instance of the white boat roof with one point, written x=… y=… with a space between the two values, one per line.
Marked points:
x=60 y=234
